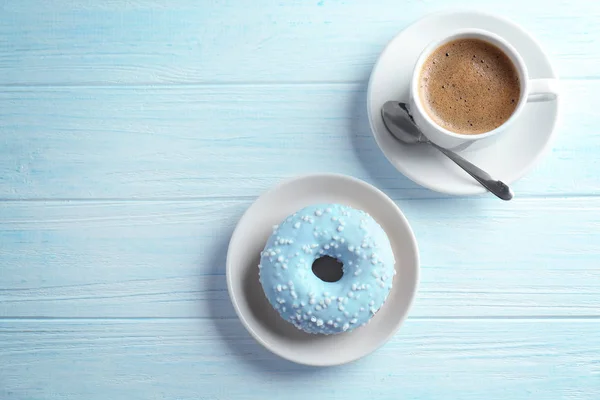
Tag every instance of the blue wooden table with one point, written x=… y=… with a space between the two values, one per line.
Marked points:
x=135 y=133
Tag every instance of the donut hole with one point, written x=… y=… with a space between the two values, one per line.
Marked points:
x=328 y=269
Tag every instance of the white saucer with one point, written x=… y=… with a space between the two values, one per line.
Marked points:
x=250 y=303
x=507 y=159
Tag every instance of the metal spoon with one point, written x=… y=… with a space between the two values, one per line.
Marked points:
x=400 y=124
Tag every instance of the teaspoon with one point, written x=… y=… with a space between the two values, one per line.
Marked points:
x=399 y=123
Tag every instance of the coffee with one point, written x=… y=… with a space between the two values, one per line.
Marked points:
x=469 y=86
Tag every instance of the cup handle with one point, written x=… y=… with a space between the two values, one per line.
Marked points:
x=542 y=90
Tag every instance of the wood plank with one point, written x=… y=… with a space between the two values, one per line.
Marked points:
x=204 y=141
x=191 y=359
x=147 y=42
x=480 y=257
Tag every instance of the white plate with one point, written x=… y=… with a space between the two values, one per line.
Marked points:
x=508 y=158
x=250 y=303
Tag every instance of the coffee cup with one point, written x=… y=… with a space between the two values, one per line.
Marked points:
x=531 y=90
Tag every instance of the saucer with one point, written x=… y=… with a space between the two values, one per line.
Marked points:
x=508 y=158
x=248 y=298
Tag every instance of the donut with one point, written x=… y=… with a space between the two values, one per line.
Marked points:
x=350 y=236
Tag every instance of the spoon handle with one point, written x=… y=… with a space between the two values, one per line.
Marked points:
x=498 y=188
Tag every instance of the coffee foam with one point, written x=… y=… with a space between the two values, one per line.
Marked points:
x=469 y=86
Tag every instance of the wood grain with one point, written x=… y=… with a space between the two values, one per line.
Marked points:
x=480 y=257
x=206 y=142
x=149 y=42
x=191 y=359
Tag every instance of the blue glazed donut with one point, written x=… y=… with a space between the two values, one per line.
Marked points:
x=352 y=237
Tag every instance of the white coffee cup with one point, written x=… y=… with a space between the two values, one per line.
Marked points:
x=532 y=90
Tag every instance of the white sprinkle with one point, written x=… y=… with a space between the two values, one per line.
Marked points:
x=346 y=314
x=372 y=303
x=293 y=294
x=318 y=213
x=295 y=305
x=319 y=322
x=374 y=262
x=335 y=325
x=328 y=301
x=283 y=309
x=280 y=258
x=342 y=240
x=314 y=246
x=381 y=284
x=330 y=322
x=340 y=307
x=364 y=245
x=384 y=277
x=375 y=274
x=284 y=266
x=313 y=319
x=340 y=299
x=334 y=218
x=362 y=309
x=309 y=312
x=346 y=327
x=297 y=225
x=328 y=210
x=340 y=228
x=318 y=307
x=284 y=287
x=312 y=301
x=259 y=266
x=342 y=223
x=354 y=287
x=303 y=304
x=353 y=320
x=351 y=249
x=321 y=251
x=279 y=288
x=338 y=319
x=350 y=294
x=326 y=247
